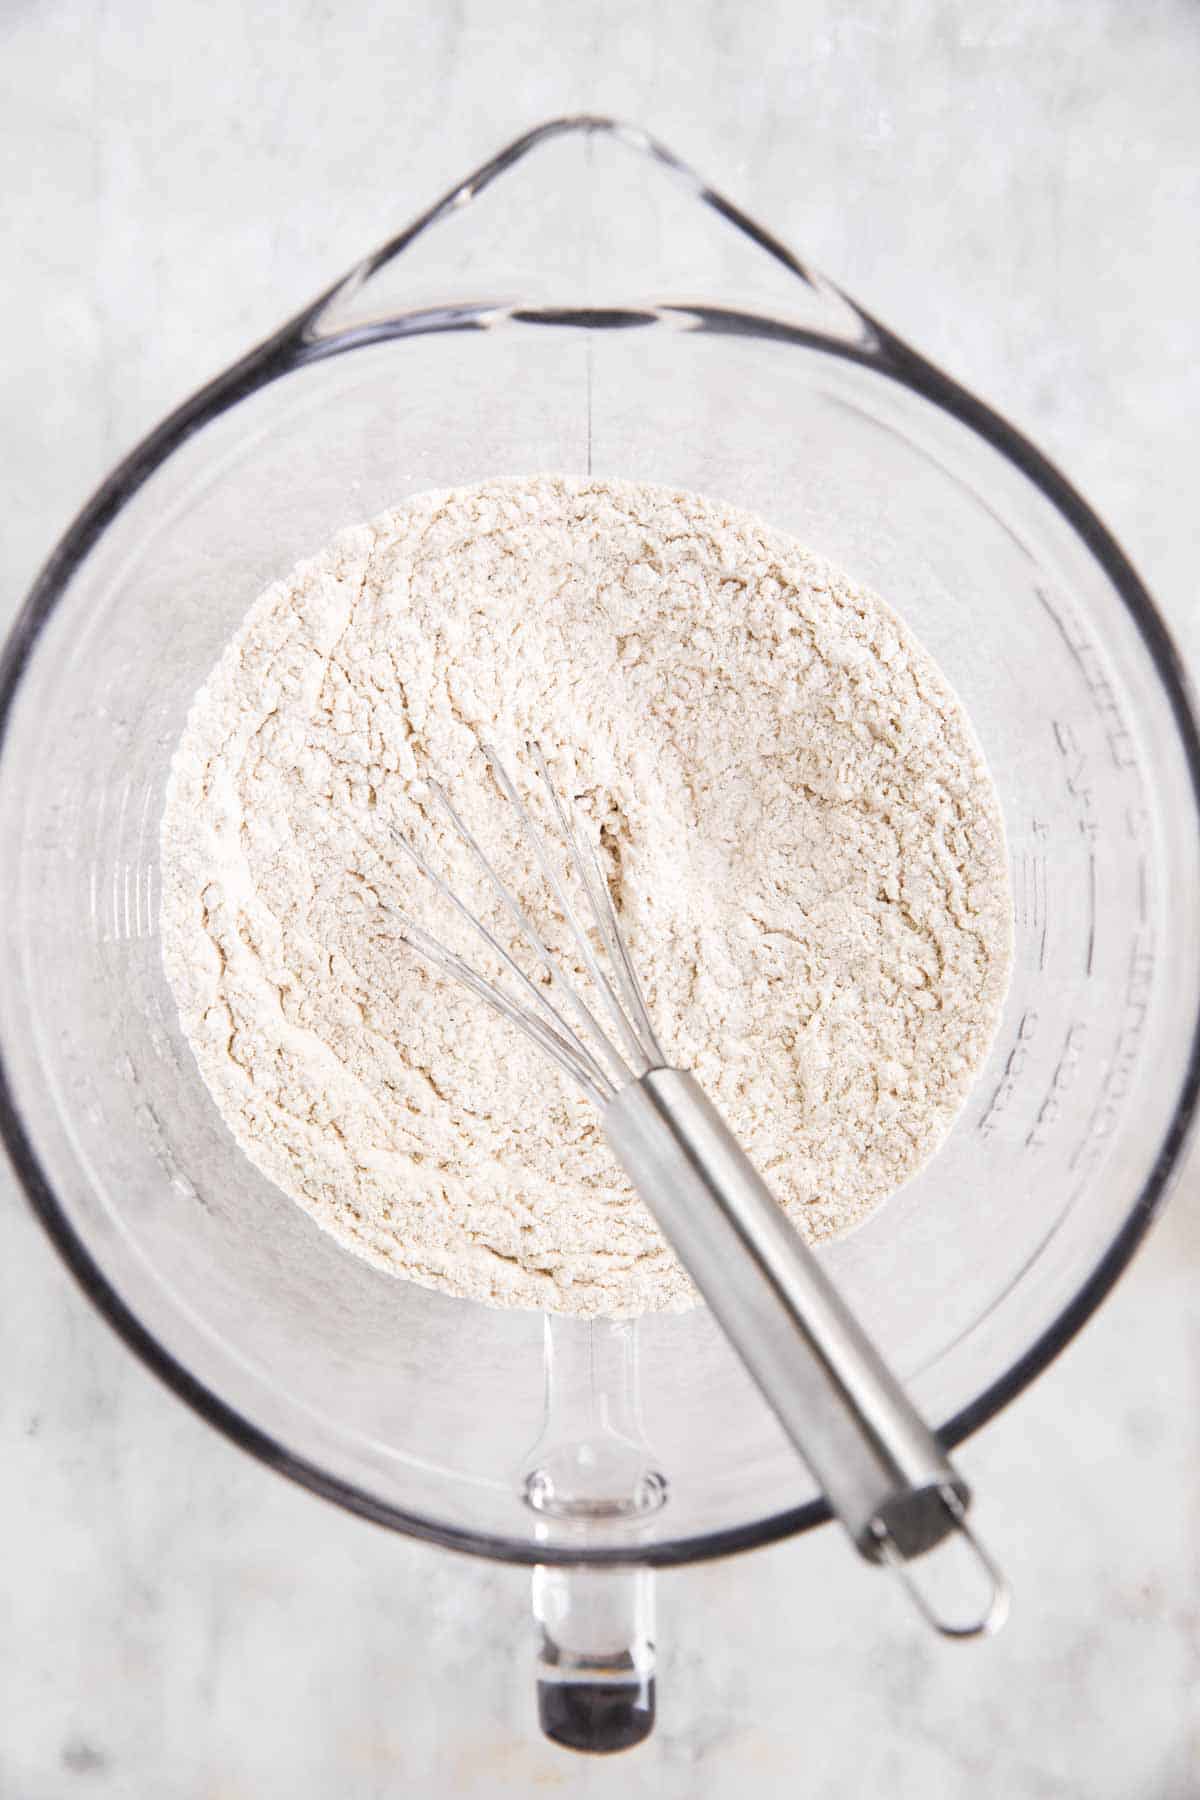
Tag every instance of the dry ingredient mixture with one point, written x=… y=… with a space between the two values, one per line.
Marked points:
x=798 y=829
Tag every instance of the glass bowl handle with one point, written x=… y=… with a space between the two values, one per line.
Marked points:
x=595 y=1661
x=591 y=1470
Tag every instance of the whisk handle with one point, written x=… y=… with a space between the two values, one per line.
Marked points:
x=881 y=1468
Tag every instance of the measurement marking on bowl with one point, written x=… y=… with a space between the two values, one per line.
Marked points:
x=1092 y=667
x=156 y=1137
x=132 y=911
x=139 y=864
x=1138 y=828
x=1118 y=1077
x=1091 y=940
x=1042 y=830
x=1079 y=787
x=1005 y=1092
x=1029 y=893
x=117 y=886
x=1061 y=1082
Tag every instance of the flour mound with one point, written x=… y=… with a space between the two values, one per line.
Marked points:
x=796 y=823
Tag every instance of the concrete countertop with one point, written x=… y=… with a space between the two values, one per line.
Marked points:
x=1016 y=188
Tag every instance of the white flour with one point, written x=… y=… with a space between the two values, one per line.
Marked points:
x=800 y=833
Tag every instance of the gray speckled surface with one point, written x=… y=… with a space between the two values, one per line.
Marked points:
x=1014 y=186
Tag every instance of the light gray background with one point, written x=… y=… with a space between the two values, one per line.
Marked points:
x=1012 y=183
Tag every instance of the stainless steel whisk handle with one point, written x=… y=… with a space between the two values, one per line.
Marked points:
x=882 y=1470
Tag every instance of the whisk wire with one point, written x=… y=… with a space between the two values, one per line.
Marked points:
x=634 y=1048
x=565 y=1038
x=597 y=889
x=550 y=874
x=585 y=1051
x=558 y=981
x=561 y=1050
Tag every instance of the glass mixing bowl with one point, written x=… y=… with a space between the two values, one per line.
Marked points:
x=585 y=304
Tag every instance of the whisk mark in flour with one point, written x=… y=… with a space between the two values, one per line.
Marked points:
x=804 y=845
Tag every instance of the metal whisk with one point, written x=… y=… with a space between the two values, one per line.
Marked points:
x=880 y=1467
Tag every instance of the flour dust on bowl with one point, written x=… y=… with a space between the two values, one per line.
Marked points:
x=585 y=304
